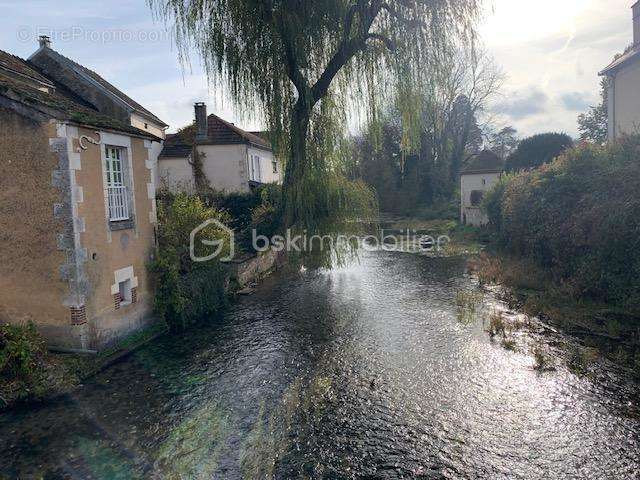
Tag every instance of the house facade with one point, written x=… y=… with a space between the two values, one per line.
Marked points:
x=623 y=90
x=78 y=208
x=481 y=173
x=230 y=159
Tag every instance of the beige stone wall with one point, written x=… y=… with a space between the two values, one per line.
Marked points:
x=30 y=283
x=110 y=251
x=59 y=252
x=147 y=125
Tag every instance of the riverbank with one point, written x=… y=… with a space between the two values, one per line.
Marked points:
x=601 y=330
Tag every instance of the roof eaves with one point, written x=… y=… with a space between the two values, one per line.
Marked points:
x=65 y=110
x=153 y=118
x=480 y=171
x=621 y=62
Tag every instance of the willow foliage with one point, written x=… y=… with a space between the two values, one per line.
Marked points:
x=303 y=64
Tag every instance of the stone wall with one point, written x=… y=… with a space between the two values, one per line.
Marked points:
x=34 y=197
x=252 y=268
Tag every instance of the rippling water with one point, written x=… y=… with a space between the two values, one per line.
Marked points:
x=361 y=372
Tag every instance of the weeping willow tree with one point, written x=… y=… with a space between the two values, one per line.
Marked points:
x=303 y=64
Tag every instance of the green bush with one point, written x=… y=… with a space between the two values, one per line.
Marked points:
x=259 y=209
x=27 y=370
x=578 y=217
x=20 y=350
x=492 y=202
x=265 y=217
x=187 y=291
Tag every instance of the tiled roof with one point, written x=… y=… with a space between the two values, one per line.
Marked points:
x=484 y=162
x=633 y=54
x=106 y=85
x=16 y=65
x=175 y=146
x=56 y=103
x=221 y=132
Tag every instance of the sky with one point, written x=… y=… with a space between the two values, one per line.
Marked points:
x=549 y=50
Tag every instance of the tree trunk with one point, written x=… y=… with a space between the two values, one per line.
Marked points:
x=297 y=164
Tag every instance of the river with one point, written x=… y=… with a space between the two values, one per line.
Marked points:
x=361 y=372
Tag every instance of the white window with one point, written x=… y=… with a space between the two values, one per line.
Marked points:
x=254 y=168
x=124 y=288
x=116 y=185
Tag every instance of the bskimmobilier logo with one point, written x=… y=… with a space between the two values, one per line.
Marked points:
x=226 y=239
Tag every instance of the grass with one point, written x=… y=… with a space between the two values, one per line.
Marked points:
x=497 y=325
x=542 y=360
x=467 y=303
x=580 y=359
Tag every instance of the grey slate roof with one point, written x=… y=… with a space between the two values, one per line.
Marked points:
x=484 y=162
x=57 y=102
x=175 y=147
x=98 y=80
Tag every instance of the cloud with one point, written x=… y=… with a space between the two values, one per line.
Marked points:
x=523 y=103
x=576 y=101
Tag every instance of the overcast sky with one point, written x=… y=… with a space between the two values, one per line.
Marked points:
x=550 y=50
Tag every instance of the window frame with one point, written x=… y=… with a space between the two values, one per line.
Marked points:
x=117 y=177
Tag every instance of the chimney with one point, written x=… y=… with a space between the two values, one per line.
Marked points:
x=201 y=121
x=636 y=23
x=44 y=41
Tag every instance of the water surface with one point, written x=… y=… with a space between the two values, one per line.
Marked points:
x=363 y=372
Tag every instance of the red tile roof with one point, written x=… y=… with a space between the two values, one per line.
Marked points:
x=221 y=132
x=16 y=65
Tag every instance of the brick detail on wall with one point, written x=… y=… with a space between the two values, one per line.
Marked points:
x=78 y=315
x=117 y=300
x=134 y=295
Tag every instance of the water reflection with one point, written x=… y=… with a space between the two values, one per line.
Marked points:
x=362 y=372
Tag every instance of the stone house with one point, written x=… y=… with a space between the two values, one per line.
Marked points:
x=623 y=89
x=231 y=159
x=77 y=208
x=479 y=175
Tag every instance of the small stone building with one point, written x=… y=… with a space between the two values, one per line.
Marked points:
x=231 y=159
x=479 y=175
x=77 y=203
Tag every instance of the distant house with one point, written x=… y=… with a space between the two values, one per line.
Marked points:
x=232 y=159
x=624 y=86
x=77 y=201
x=481 y=173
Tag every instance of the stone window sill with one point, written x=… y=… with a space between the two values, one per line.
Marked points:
x=122 y=225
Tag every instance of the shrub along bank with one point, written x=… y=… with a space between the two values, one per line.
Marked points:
x=187 y=291
x=578 y=218
x=27 y=370
x=575 y=223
